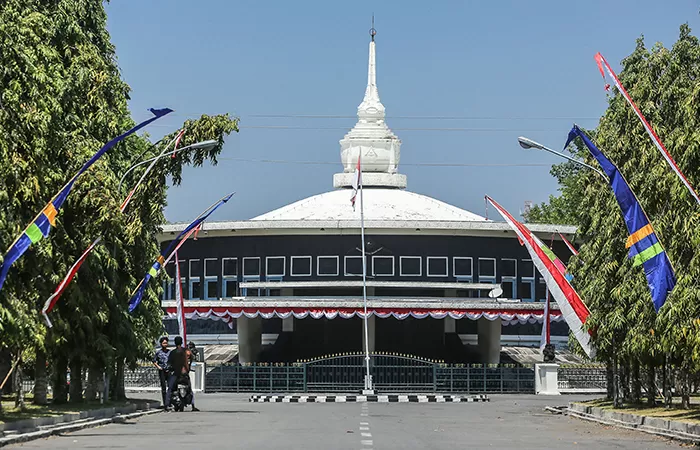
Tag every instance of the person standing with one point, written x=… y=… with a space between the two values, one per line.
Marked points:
x=191 y=353
x=160 y=360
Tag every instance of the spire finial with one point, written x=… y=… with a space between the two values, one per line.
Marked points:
x=372 y=31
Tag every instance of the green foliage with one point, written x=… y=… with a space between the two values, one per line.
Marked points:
x=61 y=98
x=663 y=83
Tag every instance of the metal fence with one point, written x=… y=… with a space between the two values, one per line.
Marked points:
x=345 y=373
x=143 y=378
x=582 y=378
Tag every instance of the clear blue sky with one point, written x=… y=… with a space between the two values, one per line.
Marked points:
x=512 y=67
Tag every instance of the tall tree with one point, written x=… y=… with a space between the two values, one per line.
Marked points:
x=61 y=98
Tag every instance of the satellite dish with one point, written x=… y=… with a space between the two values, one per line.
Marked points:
x=496 y=292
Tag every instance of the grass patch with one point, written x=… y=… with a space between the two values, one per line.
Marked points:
x=10 y=413
x=691 y=415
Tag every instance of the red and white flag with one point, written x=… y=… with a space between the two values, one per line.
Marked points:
x=356 y=182
x=604 y=67
x=179 y=302
x=574 y=311
x=569 y=245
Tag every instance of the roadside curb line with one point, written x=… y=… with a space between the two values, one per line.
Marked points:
x=69 y=428
x=386 y=398
x=584 y=412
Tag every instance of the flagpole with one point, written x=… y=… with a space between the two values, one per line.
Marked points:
x=368 y=377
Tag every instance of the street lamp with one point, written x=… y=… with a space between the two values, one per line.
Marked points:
x=529 y=143
x=204 y=145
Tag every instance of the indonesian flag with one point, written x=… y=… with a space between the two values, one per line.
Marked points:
x=574 y=311
x=356 y=182
x=179 y=302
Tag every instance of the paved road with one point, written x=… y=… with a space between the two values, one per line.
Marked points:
x=230 y=422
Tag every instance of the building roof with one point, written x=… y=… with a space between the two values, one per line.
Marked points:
x=380 y=205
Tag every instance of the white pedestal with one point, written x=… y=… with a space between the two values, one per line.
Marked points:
x=546 y=379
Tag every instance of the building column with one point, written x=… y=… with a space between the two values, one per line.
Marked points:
x=371 y=328
x=288 y=324
x=489 y=333
x=249 y=339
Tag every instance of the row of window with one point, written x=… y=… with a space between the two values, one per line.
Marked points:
x=408 y=266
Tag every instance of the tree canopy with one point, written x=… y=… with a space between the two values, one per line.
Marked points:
x=61 y=98
x=663 y=83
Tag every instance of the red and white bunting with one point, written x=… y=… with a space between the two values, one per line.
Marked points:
x=572 y=307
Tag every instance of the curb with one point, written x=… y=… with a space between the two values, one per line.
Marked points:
x=71 y=427
x=389 y=398
x=672 y=429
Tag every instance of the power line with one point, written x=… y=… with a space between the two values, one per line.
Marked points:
x=336 y=163
x=331 y=116
x=451 y=129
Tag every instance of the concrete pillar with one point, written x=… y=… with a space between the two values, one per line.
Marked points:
x=288 y=324
x=371 y=332
x=450 y=325
x=546 y=379
x=489 y=333
x=249 y=339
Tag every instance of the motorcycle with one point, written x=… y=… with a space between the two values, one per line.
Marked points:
x=182 y=394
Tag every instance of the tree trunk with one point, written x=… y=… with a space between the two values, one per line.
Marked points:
x=624 y=381
x=668 y=395
x=635 y=384
x=617 y=399
x=119 y=392
x=651 y=385
x=60 y=391
x=610 y=381
x=76 y=381
x=40 y=379
x=93 y=383
x=19 y=400
x=685 y=388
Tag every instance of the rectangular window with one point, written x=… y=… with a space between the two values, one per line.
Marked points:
x=437 y=266
x=229 y=281
x=487 y=270
x=229 y=288
x=463 y=266
x=229 y=267
x=410 y=266
x=301 y=266
x=327 y=266
x=541 y=291
x=211 y=278
x=195 y=279
x=251 y=267
x=383 y=266
x=274 y=266
x=183 y=281
x=509 y=277
x=211 y=267
x=195 y=284
x=195 y=268
x=353 y=266
x=526 y=290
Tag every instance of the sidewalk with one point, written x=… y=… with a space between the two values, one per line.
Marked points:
x=41 y=427
x=683 y=430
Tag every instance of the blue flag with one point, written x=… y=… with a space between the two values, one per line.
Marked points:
x=41 y=225
x=158 y=264
x=644 y=246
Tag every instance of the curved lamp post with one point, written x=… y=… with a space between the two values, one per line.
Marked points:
x=529 y=143
x=196 y=146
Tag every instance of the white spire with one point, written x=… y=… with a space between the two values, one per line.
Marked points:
x=371 y=137
x=371 y=106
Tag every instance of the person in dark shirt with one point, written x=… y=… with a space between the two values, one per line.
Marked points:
x=160 y=360
x=191 y=360
x=177 y=360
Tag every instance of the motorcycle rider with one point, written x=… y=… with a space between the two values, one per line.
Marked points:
x=177 y=360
